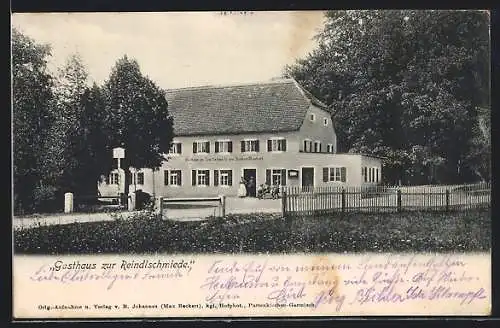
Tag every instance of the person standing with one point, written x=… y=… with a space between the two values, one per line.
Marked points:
x=251 y=187
x=242 y=189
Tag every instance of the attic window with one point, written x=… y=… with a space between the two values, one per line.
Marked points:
x=312 y=117
x=325 y=122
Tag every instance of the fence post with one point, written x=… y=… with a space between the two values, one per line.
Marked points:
x=399 y=201
x=68 y=202
x=132 y=201
x=283 y=203
x=343 y=199
x=447 y=200
x=159 y=205
x=223 y=205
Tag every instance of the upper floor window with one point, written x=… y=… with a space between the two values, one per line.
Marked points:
x=317 y=146
x=329 y=148
x=325 y=121
x=250 y=145
x=307 y=146
x=334 y=174
x=224 y=146
x=176 y=148
x=276 y=144
x=201 y=147
x=312 y=117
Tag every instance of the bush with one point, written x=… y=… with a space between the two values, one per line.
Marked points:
x=265 y=233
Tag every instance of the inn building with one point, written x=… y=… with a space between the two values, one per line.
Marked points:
x=275 y=132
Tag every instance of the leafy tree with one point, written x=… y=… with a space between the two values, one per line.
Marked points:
x=137 y=116
x=34 y=174
x=404 y=85
x=65 y=133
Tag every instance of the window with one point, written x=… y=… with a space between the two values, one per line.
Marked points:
x=377 y=179
x=276 y=177
x=140 y=178
x=250 y=145
x=224 y=146
x=325 y=121
x=276 y=144
x=176 y=148
x=317 y=146
x=365 y=173
x=307 y=146
x=329 y=148
x=312 y=117
x=114 y=178
x=201 y=147
x=223 y=177
x=334 y=174
x=200 y=177
x=172 y=177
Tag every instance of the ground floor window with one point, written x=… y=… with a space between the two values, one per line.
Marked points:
x=334 y=174
x=200 y=177
x=223 y=177
x=276 y=177
x=140 y=178
x=114 y=178
x=172 y=177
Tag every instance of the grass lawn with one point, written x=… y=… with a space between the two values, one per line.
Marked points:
x=262 y=233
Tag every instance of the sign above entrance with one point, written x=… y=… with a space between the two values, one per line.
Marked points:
x=118 y=152
x=224 y=159
x=293 y=173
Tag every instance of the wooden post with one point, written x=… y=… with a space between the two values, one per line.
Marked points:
x=68 y=202
x=447 y=200
x=223 y=205
x=399 y=200
x=343 y=199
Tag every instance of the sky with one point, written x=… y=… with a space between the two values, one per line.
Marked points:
x=178 y=49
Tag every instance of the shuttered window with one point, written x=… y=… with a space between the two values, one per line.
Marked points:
x=276 y=177
x=172 y=177
x=223 y=177
x=201 y=147
x=334 y=174
x=223 y=146
x=276 y=144
x=200 y=177
x=250 y=146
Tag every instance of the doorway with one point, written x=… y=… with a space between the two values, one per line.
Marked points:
x=307 y=179
x=250 y=176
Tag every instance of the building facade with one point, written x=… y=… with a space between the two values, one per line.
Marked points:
x=274 y=133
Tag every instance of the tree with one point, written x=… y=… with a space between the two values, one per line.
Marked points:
x=137 y=116
x=34 y=175
x=66 y=132
x=404 y=85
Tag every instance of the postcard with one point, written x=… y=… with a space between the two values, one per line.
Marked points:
x=251 y=164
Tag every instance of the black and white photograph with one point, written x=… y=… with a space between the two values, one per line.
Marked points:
x=256 y=133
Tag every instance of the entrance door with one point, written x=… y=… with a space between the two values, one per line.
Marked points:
x=250 y=176
x=307 y=178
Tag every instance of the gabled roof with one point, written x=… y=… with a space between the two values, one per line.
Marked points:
x=277 y=106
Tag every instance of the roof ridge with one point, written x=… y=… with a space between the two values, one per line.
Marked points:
x=236 y=85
